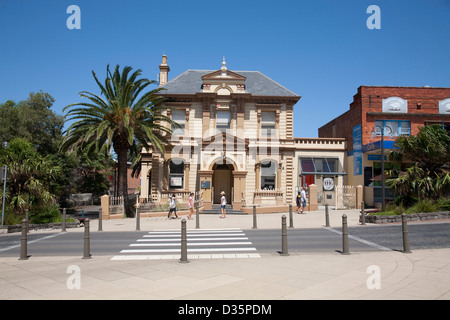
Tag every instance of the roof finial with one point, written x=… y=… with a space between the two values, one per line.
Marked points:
x=224 y=67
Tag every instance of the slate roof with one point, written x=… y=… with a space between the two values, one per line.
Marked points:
x=190 y=82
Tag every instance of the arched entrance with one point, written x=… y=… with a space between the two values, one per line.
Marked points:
x=222 y=181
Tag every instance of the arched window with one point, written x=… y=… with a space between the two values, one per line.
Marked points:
x=268 y=174
x=176 y=174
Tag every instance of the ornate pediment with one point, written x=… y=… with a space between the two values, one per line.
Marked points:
x=219 y=75
x=224 y=140
x=223 y=81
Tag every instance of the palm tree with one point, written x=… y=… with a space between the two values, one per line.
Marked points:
x=125 y=118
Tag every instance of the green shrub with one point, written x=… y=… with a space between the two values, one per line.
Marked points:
x=11 y=218
x=405 y=201
x=425 y=205
x=444 y=204
x=45 y=215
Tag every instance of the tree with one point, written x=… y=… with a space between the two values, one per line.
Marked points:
x=125 y=118
x=28 y=176
x=429 y=155
x=33 y=120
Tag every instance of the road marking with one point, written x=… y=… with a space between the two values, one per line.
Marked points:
x=201 y=244
x=162 y=244
x=32 y=241
x=190 y=250
x=193 y=239
x=189 y=235
x=190 y=256
x=369 y=243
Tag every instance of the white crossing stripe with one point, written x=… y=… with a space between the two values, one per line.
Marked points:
x=194 y=239
x=190 y=244
x=201 y=244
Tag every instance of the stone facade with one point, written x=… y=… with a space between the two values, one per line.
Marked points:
x=236 y=136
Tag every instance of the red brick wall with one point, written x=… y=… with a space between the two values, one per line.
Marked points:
x=423 y=106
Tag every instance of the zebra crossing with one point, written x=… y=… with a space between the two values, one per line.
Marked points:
x=230 y=243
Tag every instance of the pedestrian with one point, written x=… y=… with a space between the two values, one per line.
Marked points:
x=172 y=206
x=191 y=205
x=303 y=199
x=298 y=201
x=223 y=203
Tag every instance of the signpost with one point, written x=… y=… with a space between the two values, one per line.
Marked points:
x=3 y=173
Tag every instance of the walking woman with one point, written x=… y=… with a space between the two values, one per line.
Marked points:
x=191 y=205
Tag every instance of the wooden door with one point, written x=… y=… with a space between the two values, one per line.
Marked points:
x=222 y=182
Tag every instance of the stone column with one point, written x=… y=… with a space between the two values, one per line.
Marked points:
x=105 y=207
x=359 y=196
x=258 y=176
x=187 y=167
x=206 y=177
x=239 y=178
x=312 y=204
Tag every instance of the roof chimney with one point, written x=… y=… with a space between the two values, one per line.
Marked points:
x=164 y=71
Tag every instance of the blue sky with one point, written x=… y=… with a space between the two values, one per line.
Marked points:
x=320 y=49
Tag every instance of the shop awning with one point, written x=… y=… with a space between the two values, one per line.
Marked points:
x=321 y=166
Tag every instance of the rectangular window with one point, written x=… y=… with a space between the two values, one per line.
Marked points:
x=268 y=119
x=223 y=121
x=392 y=128
x=176 y=174
x=268 y=174
x=313 y=165
x=179 y=116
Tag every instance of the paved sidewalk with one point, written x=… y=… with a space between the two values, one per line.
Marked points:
x=423 y=274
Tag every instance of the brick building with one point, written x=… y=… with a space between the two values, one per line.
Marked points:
x=395 y=110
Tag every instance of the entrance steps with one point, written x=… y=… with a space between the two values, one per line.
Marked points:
x=229 y=210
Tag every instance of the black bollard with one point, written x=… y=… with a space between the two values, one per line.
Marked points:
x=87 y=245
x=27 y=218
x=406 y=248
x=23 y=245
x=197 y=217
x=183 y=258
x=254 y=218
x=138 y=218
x=344 y=235
x=100 y=220
x=327 y=216
x=284 y=245
x=363 y=214
x=64 y=220
x=291 y=218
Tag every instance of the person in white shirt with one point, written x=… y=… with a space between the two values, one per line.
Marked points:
x=172 y=206
x=303 y=199
x=223 y=202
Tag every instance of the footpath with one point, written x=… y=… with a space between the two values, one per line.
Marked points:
x=371 y=275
